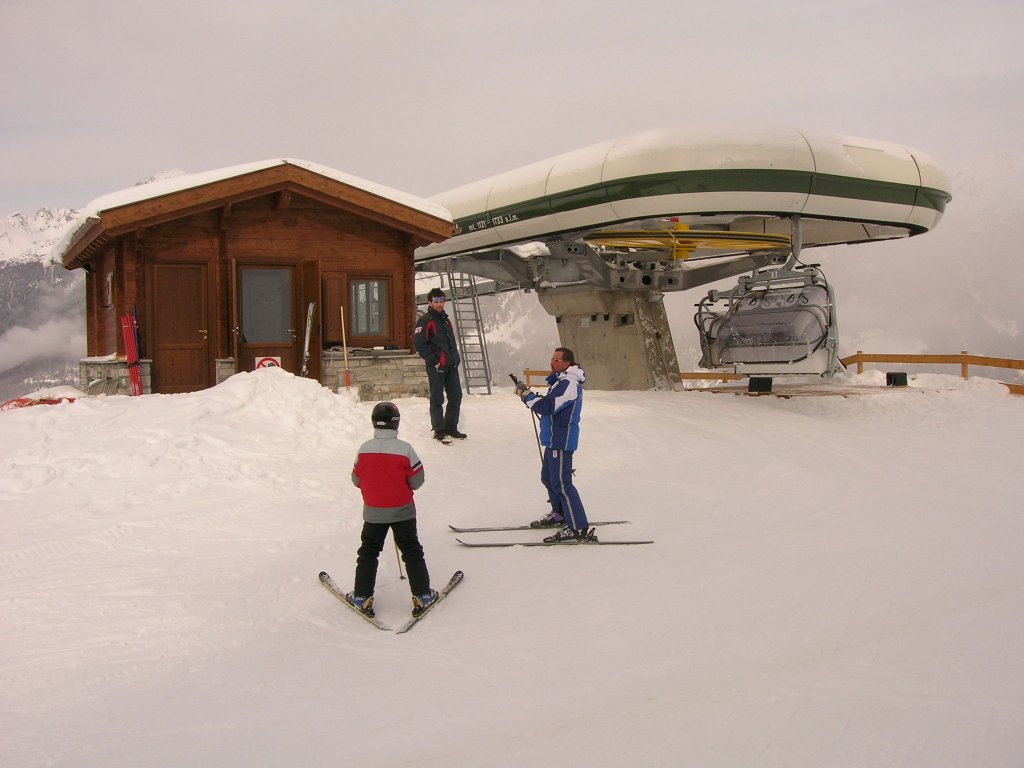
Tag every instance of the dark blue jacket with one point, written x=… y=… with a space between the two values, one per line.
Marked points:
x=434 y=340
x=560 y=409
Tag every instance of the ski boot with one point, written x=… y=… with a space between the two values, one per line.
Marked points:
x=571 y=536
x=361 y=604
x=550 y=520
x=420 y=603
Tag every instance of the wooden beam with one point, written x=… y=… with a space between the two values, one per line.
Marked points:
x=223 y=216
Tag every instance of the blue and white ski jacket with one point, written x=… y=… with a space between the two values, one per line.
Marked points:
x=560 y=409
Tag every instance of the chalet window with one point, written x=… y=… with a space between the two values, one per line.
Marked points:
x=368 y=307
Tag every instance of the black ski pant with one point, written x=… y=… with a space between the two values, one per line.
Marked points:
x=408 y=542
x=445 y=382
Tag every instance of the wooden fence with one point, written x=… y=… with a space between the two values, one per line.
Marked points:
x=530 y=373
x=964 y=360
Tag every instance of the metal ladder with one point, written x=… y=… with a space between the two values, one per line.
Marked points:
x=469 y=329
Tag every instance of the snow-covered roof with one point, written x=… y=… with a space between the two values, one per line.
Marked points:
x=167 y=186
x=92 y=212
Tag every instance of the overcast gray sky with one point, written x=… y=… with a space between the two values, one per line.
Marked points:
x=424 y=96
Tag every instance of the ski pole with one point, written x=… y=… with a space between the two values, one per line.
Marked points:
x=533 y=420
x=401 y=576
x=344 y=346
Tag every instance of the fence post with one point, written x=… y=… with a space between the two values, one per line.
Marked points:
x=963 y=363
x=860 y=363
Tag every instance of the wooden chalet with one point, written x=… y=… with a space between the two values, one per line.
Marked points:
x=220 y=268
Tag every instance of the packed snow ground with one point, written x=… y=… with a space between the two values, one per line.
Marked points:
x=835 y=582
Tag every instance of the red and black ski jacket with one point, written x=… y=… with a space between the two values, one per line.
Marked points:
x=434 y=340
x=387 y=471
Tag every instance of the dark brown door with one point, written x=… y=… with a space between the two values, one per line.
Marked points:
x=268 y=317
x=181 y=349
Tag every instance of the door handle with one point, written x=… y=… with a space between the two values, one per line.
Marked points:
x=204 y=332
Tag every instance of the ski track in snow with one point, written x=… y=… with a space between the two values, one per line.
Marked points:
x=835 y=581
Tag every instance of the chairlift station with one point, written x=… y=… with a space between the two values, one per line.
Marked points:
x=602 y=233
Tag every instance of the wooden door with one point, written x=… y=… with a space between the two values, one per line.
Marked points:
x=268 y=317
x=180 y=333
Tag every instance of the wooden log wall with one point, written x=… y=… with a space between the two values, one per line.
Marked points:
x=282 y=228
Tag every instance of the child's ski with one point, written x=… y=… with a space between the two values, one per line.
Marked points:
x=455 y=580
x=335 y=590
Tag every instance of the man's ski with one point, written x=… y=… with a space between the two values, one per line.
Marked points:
x=328 y=582
x=546 y=543
x=305 y=345
x=529 y=527
x=453 y=582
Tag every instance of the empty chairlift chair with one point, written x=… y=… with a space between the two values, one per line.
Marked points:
x=777 y=322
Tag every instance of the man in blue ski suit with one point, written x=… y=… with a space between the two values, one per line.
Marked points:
x=559 y=410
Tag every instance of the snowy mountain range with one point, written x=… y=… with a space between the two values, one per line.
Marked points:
x=42 y=307
x=950 y=290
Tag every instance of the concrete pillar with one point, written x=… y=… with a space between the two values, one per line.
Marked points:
x=621 y=338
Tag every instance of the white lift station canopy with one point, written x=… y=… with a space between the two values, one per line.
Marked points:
x=673 y=209
x=675 y=196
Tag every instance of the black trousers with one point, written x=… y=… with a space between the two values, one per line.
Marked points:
x=408 y=542
x=443 y=383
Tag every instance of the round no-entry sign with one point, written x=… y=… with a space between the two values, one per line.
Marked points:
x=268 y=362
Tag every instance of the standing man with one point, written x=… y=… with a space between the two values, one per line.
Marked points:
x=434 y=340
x=559 y=412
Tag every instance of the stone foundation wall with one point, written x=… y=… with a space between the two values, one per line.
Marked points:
x=225 y=369
x=377 y=374
x=374 y=374
x=110 y=377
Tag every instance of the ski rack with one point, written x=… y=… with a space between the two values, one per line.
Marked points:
x=779 y=320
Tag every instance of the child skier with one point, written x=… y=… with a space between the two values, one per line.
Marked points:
x=387 y=471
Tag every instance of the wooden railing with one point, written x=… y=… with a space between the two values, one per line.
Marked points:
x=710 y=376
x=964 y=360
x=529 y=373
